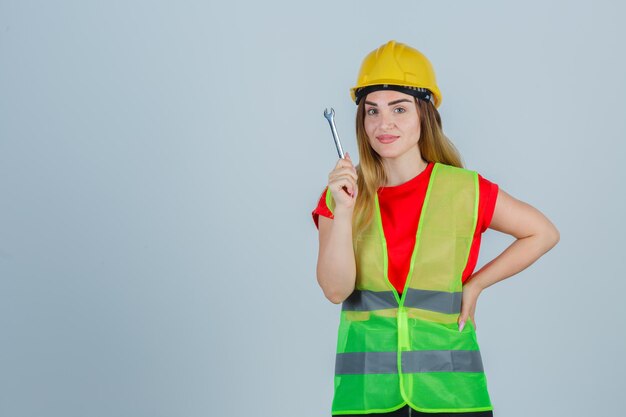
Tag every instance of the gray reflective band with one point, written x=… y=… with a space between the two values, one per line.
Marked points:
x=441 y=361
x=412 y=362
x=439 y=301
x=364 y=300
x=366 y=363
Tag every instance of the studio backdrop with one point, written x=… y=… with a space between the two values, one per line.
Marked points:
x=159 y=163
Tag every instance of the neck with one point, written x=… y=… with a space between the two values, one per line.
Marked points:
x=402 y=170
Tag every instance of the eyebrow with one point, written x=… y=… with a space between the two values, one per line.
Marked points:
x=391 y=103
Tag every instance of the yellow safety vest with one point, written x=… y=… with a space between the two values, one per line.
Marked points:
x=394 y=350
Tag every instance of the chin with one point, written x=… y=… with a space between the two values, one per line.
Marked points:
x=388 y=153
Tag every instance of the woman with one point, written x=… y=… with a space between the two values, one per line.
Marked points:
x=398 y=242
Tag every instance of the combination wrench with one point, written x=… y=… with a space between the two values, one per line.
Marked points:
x=330 y=116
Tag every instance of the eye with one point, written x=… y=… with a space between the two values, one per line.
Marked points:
x=400 y=110
x=371 y=111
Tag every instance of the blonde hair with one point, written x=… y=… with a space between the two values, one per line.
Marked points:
x=433 y=145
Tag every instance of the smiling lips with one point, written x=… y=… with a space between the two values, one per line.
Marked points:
x=387 y=138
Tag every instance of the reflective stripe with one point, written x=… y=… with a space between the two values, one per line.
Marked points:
x=412 y=362
x=366 y=363
x=441 y=361
x=439 y=301
x=364 y=300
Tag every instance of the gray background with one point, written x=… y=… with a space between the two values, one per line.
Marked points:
x=159 y=163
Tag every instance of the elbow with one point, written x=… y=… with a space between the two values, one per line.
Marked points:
x=551 y=237
x=336 y=297
x=333 y=293
x=336 y=287
x=556 y=237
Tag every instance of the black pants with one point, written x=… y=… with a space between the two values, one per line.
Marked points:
x=407 y=411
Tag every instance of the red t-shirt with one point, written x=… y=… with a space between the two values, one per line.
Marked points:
x=400 y=208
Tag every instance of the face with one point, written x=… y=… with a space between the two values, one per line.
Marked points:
x=392 y=123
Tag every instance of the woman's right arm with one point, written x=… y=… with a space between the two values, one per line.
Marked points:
x=336 y=266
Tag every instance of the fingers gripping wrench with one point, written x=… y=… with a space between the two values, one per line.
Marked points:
x=330 y=116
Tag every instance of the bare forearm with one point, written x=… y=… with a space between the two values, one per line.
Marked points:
x=518 y=256
x=336 y=266
x=535 y=235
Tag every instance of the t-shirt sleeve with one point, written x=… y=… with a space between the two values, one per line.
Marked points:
x=322 y=209
x=487 y=203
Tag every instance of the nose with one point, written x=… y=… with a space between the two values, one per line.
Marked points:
x=386 y=120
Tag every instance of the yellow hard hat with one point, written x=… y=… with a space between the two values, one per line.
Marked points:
x=397 y=66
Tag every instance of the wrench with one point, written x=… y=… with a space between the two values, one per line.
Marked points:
x=330 y=116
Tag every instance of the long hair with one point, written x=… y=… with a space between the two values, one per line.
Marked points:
x=433 y=145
